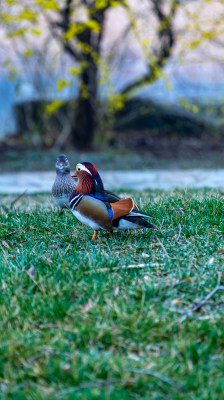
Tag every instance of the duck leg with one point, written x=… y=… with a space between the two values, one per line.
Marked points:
x=111 y=235
x=94 y=235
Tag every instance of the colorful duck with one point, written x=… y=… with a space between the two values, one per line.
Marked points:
x=64 y=184
x=100 y=209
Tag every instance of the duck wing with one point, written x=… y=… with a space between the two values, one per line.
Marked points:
x=112 y=196
x=93 y=212
x=106 y=196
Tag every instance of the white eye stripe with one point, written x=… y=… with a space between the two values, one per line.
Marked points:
x=81 y=167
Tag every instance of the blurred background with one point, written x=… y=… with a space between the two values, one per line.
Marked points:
x=126 y=84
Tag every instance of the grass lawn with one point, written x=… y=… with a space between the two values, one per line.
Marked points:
x=112 y=319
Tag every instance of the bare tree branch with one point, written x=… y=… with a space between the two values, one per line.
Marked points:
x=66 y=14
x=167 y=40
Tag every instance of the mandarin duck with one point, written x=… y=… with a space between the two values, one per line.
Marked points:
x=64 y=184
x=101 y=209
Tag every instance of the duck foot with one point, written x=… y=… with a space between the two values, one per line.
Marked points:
x=94 y=235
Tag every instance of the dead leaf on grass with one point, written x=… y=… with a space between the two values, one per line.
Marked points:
x=5 y=244
x=145 y=255
x=87 y=307
x=66 y=367
x=31 y=272
x=133 y=356
x=116 y=291
x=130 y=382
x=176 y=301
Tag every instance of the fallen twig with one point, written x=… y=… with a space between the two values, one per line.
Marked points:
x=48 y=326
x=198 y=306
x=177 y=310
x=14 y=232
x=65 y=234
x=180 y=282
x=161 y=225
x=27 y=240
x=35 y=357
x=177 y=237
x=131 y=266
x=9 y=234
x=17 y=199
x=32 y=278
x=4 y=208
x=164 y=249
x=163 y=378
x=86 y=385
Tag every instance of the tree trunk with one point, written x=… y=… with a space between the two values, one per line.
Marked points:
x=85 y=117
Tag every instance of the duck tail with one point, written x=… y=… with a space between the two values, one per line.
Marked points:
x=137 y=213
x=141 y=222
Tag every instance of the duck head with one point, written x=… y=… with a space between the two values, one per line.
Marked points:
x=62 y=164
x=89 y=179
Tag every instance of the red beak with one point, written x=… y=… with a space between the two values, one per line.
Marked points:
x=74 y=176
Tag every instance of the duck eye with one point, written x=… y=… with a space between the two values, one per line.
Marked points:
x=79 y=169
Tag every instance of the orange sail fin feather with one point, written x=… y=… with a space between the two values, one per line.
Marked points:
x=122 y=207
